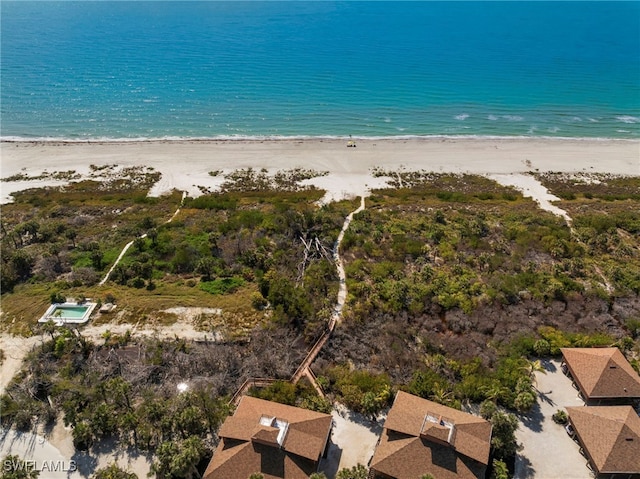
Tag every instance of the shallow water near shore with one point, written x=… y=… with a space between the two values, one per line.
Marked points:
x=118 y=70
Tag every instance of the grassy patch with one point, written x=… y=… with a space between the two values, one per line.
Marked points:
x=222 y=285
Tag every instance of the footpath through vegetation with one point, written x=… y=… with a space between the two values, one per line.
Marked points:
x=304 y=370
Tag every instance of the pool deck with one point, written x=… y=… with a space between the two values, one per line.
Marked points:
x=49 y=315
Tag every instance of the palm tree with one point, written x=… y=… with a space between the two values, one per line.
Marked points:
x=441 y=395
x=532 y=367
x=495 y=391
x=49 y=327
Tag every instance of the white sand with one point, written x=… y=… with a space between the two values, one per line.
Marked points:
x=185 y=164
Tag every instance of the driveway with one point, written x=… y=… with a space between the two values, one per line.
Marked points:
x=353 y=440
x=548 y=451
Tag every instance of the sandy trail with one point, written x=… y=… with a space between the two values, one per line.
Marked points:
x=532 y=188
x=15 y=349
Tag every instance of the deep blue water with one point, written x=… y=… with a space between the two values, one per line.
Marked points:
x=207 y=69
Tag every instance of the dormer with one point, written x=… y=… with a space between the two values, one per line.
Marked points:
x=439 y=429
x=272 y=431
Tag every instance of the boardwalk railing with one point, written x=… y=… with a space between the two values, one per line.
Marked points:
x=250 y=383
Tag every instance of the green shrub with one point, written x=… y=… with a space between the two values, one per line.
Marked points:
x=633 y=325
x=356 y=472
x=57 y=297
x=542 y=347
x=524 y=402
x=560 y=417
x=488 y=408
x=282 y=392
x=222 y=285
x=361 y=391
x=499 y=470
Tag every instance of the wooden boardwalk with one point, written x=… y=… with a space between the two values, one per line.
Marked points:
x=304 y=370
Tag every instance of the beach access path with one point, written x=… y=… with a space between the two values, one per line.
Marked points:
x=305 y=368
x=142 y=236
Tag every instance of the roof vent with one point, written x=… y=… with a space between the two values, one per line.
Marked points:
x=612 y=366
x=628 y=439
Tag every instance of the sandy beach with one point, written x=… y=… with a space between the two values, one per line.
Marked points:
x=185 y=165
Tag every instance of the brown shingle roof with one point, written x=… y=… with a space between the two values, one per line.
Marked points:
x=417 y=440
x=610 y=435
x=602 y=373
x=250 y=443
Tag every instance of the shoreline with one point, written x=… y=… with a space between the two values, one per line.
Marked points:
x=284 y=138
x=185 y=164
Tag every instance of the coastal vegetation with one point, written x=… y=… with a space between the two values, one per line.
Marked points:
x=476 y=263
x=458 y=286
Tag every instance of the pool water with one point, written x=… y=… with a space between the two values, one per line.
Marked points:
x=69 y=312
x=63 y=313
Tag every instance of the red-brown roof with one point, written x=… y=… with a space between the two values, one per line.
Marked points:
x=610 y=435
x=251 y=441
x=422 y=436
x=602 y=373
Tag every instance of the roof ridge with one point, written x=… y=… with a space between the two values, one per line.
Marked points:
x=389 y=458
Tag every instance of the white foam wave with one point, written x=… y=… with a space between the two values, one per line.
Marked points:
x=513 y=117
x=628 y=119
x=492 y=117
x=18 y=139
x=462 y=116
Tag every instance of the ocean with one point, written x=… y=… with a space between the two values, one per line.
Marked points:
x=177 y=69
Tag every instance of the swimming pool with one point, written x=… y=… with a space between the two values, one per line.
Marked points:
x=62 y=313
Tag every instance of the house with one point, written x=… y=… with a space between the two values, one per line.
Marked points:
x=422 y=436
x=610 y=438
x=602 y=374
x=274 y=439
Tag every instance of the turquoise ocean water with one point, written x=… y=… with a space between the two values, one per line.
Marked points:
x=113 y=70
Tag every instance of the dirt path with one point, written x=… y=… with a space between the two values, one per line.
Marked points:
x=336 y=316
x=15 y=349
x=128 y=245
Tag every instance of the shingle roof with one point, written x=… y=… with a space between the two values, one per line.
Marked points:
x=610 y=435
x=417 y=439
x=602 y=373
x=249 y=443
